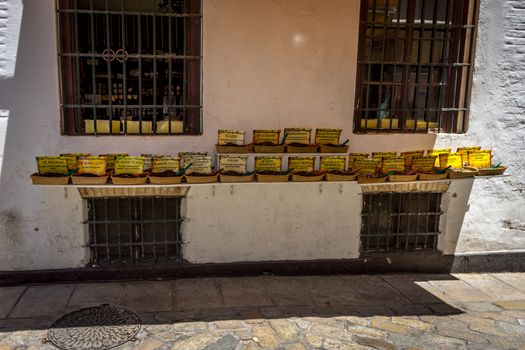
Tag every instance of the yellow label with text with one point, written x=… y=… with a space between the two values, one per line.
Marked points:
x=92 y=165
x=262 y=136
x=162 y=164
x=270 y=163
x=393 y=164
x=480 y=159
x=300 y=164
x=110 y=159
x=200 y=165
x=352 y=157
x=129 y=165
x=327 y=136
x=238 y=164
x=366 y=166
x=72 y=159
x=412 y=153
x=332 y=163
x=453 y=160
x=297 y=135
x=468 y=149
x=231 y=137
x=382 y=155
x=424 y=164
x=437 y=152
x=52 y=165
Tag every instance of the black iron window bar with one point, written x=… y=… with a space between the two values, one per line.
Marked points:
x=415 y=64
x=127 y=61
x=400 y=222
x=135 y=230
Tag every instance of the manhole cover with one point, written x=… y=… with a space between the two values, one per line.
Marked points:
x=99 y=327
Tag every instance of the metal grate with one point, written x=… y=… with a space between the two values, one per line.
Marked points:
x=135 y=230
x=415 y=65
x=130 y=66
x=400 y=222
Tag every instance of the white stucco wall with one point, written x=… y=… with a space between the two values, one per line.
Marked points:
x=267 y=64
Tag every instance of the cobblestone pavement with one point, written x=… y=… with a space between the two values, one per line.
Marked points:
x=462 y=311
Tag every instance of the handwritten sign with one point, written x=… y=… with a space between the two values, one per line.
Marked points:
x=382 y=155
x=129 y=165
x=270 y=163
x=266 y=136
x=453 y=160
x=300 y=164
x=327 y=136
x=437 y=152
x=236 y=164
x=409 y=157
x=162 y=164
x=394 y=164
x=231 y=137
x=352 y=157
x=297 y=135
x=200 y=165
x=424 y=164
x=92 y=165
x=332 y=163
x=110 y=159
x=366 y=166
x=480 y=159
x=52 y=165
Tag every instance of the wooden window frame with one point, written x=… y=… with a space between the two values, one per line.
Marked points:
x=70 y=77
x=452 y=108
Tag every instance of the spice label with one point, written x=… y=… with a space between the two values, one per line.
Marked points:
x=480 y=159
x=332 y=163
x=412 y=153
x=327 y=136
x=72 y=159
x=268 y=164
x=453 y=160
x=161 y=164
x=437 y=152
x=352 y=157
x=200 y=165
x=147 y=161
x=231 y=137
x=366 y=166
x=236 y=164
x=468 y=149
x=262 y=136
x=300 y=164
x=92 y=165
x=129 y=165
x=424 y=164
x=393 y=164
x=110 y=159
x=52 y=165
x=382 y=155
x=296 y=135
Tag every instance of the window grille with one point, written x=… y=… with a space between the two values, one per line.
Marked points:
x=400 y=222
x=415 y=64
x=135 y=230
x=130 y=66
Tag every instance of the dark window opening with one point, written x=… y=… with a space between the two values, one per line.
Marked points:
x=135 y=230
x=400 y=222
x=415 y=64
x=130 y=67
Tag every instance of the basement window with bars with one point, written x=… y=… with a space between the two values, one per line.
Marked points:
x=135 y=230
x=395 y=222
x=130 y=66
x=415 y=65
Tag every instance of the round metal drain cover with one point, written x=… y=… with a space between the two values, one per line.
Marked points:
x=100 y=327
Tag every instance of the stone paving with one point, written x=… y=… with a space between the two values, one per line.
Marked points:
x=461 y=311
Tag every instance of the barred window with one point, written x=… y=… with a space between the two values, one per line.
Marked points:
x=130 y=66
x=415 y=64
